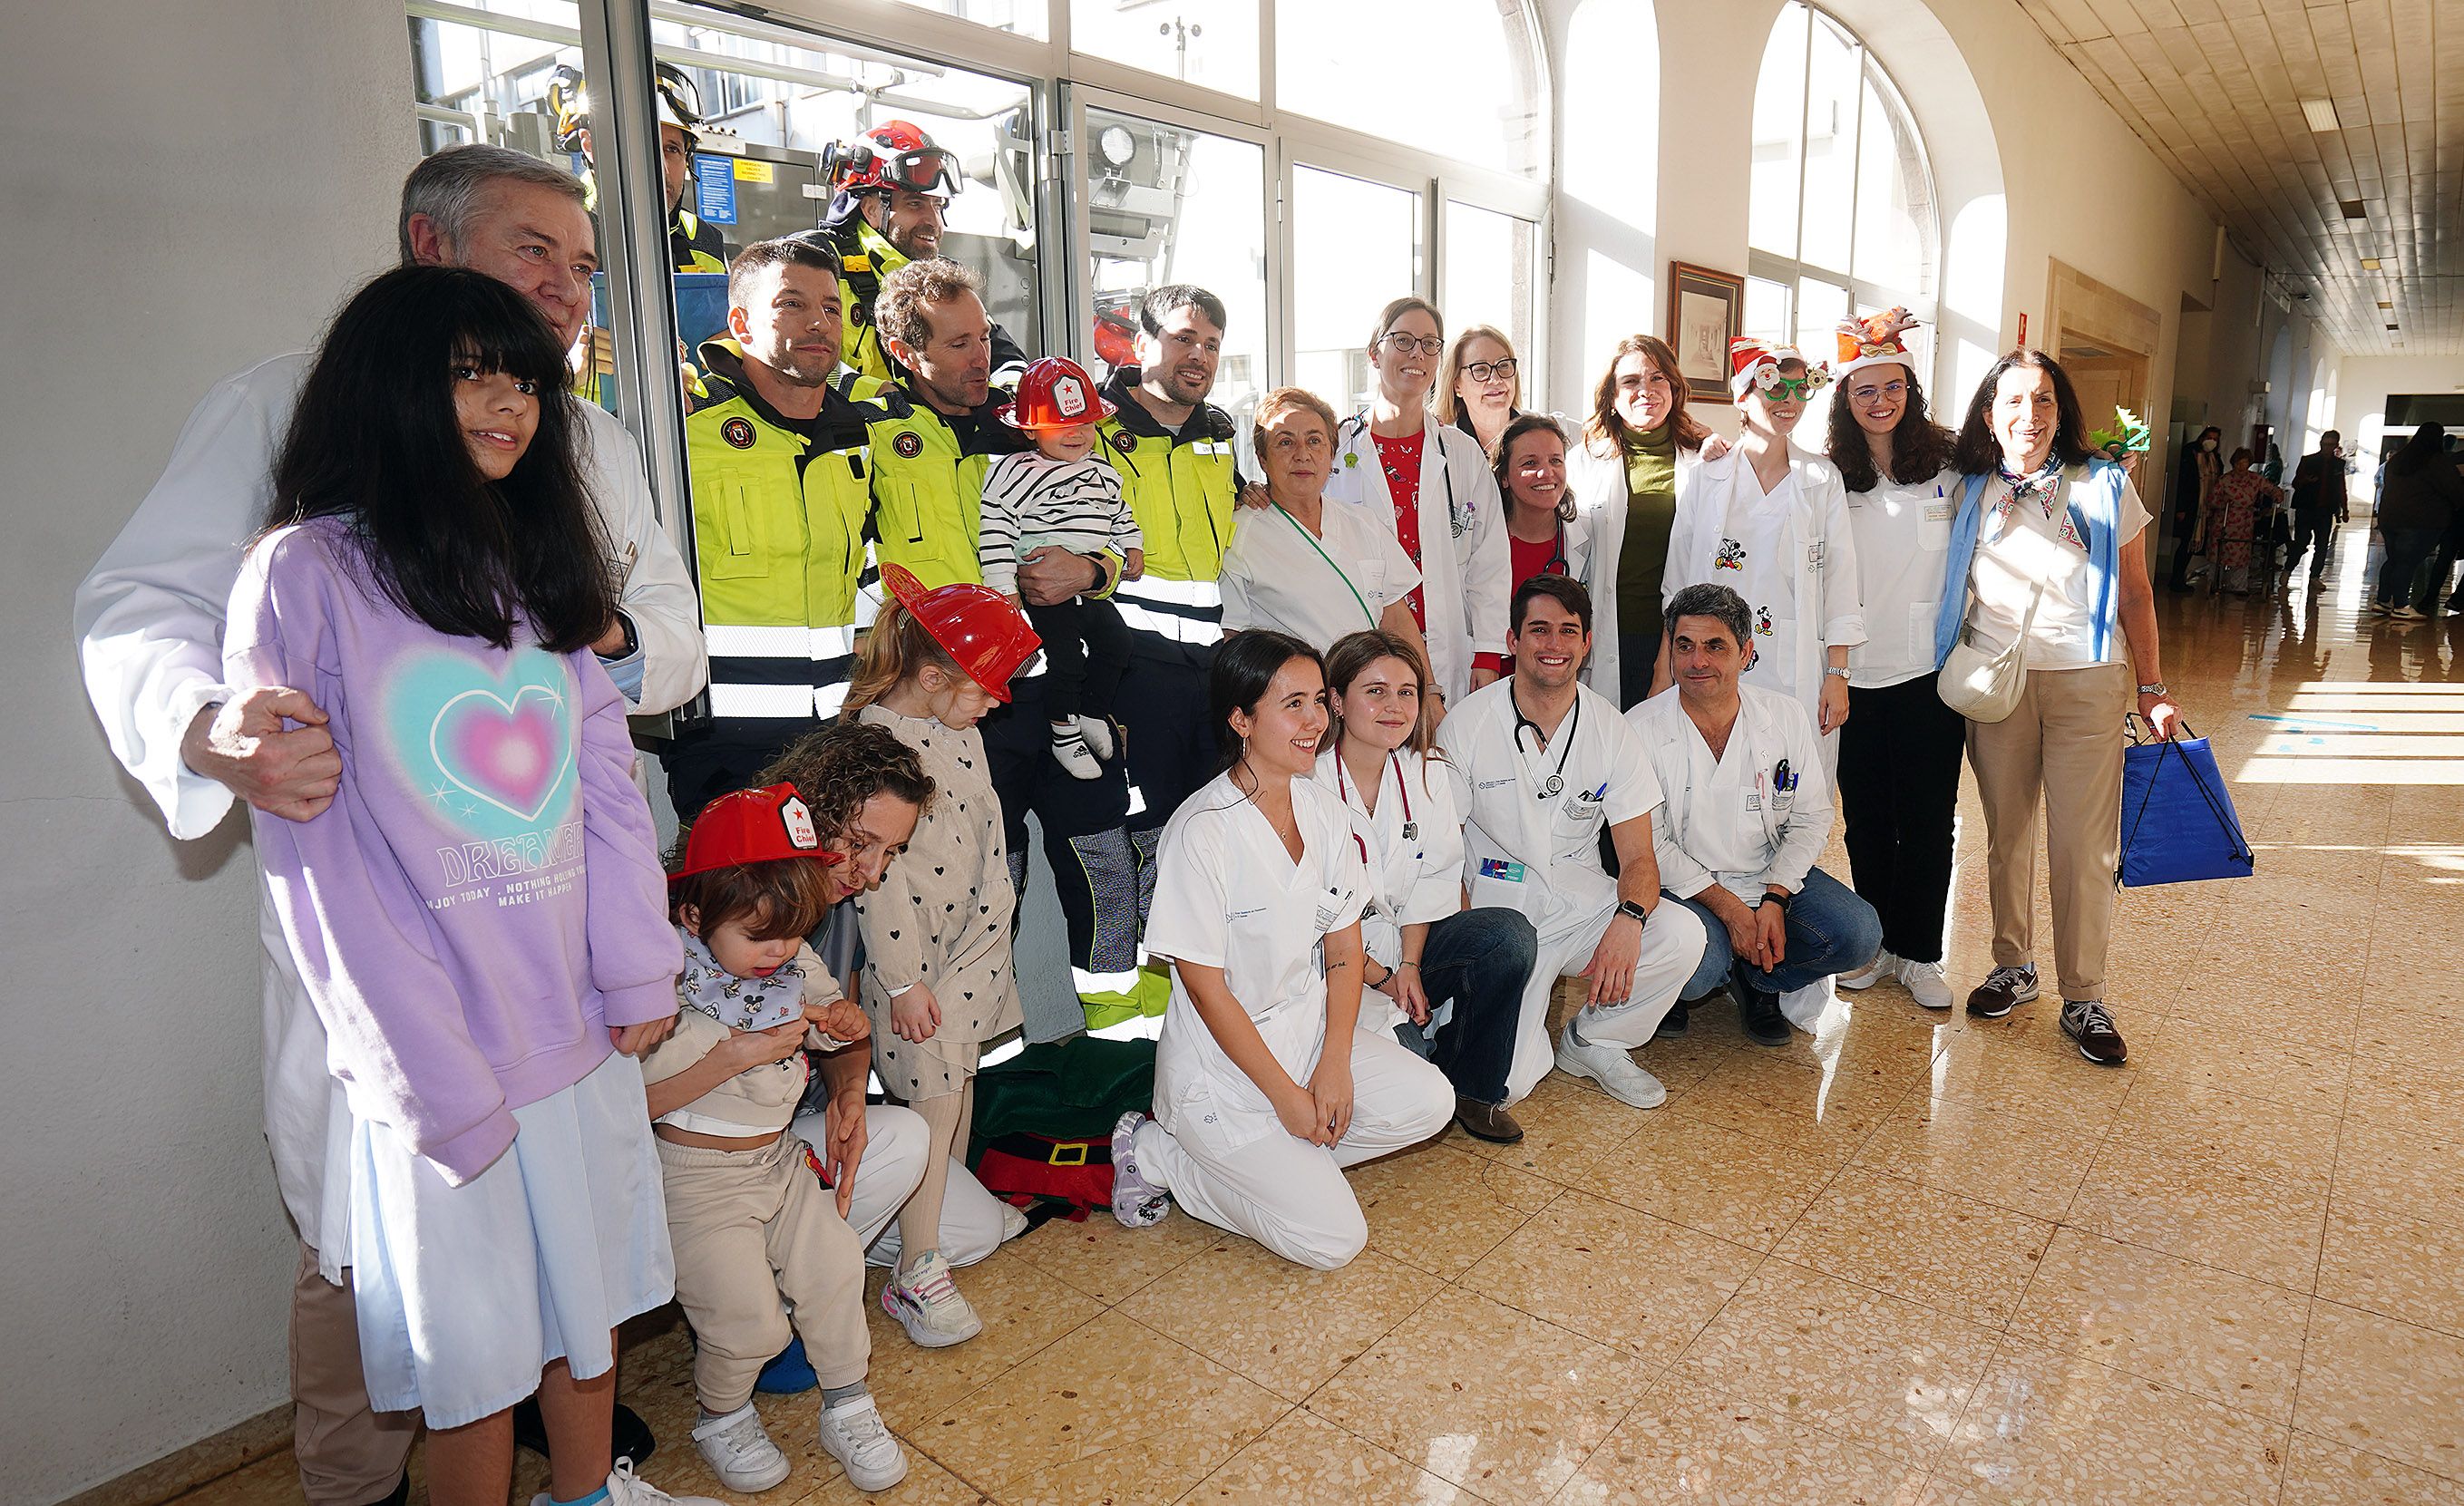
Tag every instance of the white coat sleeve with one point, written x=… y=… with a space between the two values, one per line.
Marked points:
x=1232 y=579
x=1187 y=920
x=1809 y=820
x=1488 y=568
x=149 y=616
x=659 y=594
x=1843 y=609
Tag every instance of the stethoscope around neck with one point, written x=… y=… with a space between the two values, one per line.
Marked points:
x=1556 y=784
x=1402 y=787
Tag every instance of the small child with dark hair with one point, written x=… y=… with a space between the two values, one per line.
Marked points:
x=755 y=1232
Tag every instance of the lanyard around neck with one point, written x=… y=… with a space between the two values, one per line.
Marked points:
x=1311 y=541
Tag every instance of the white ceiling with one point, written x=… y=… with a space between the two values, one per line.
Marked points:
x=2214 y=88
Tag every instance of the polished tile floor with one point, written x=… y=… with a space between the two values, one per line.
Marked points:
x=1924 y=1260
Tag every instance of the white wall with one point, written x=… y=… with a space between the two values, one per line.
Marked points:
x=193 y=186
x=2365 y=384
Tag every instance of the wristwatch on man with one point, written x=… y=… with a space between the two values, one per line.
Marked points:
x=1641 y=916
x=2158 y=688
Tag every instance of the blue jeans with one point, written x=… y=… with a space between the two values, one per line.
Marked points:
x=1480 y=959
x=1829 y=932
x=2406 y=550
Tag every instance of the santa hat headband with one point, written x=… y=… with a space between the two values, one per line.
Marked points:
x=1875 y=340
x=1749 y=356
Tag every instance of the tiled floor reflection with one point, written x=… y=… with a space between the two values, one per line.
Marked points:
x=1931 y=1260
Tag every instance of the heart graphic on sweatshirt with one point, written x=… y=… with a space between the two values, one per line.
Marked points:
x=512 y=754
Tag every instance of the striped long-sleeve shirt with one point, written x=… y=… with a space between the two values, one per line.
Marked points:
x=1031 y=500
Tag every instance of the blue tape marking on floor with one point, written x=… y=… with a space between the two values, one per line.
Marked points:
x=2312 y=721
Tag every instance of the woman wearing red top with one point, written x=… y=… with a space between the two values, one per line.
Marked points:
x=1541 y=535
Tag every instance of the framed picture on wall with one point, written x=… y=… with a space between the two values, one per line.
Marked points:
x=1706 y=309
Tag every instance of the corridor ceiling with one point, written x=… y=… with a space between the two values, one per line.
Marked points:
x=2216 y=89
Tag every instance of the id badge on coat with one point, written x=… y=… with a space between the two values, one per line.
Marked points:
x=1330 y=905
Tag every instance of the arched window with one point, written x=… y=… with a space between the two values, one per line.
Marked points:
x=1840 y=216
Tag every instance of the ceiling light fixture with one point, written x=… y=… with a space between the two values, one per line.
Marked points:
x=2385 y=304
x=2369 y=263
x=2321 y=115
x=2352 y=209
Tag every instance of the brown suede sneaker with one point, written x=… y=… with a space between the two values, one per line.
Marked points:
x=2004 y=990
x=1489 y=1122
x=2088 y=1022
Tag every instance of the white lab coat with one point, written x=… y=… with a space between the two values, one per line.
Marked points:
x=1784 y=831
x=1414 y=875
x=1316 y=587
x=1539 y=854
x=1228 y=895
x=1595 y=474
x=149 y=624
x=1466 y=571
x=1821 y=572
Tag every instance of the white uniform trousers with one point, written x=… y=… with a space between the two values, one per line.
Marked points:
x=1290 y=1195
x=1672 y=948
x=895 y=1146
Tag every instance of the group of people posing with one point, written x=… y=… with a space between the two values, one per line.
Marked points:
x=1342 y=764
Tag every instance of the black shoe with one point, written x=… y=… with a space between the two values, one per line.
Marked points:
x=1759 y=1013
x=1672 y=1023
x=629 y=1437
x=1489 y=1122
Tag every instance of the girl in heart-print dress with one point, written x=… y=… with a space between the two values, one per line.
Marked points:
x=937 y=977
x=477 y=909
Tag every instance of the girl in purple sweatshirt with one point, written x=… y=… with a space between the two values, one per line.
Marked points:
x=479 y=915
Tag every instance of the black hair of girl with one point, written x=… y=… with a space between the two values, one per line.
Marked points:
x=1920 y=447
x=1246 y=665
x=1980 y=454
x=377 y=441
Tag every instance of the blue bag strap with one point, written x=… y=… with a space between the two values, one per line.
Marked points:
x=2170 y=748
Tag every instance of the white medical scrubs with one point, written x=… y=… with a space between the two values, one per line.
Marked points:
x=1228 y=895
x=1531 y=843
x=1318 y=587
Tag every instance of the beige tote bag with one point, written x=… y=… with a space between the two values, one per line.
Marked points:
x=1983 y=686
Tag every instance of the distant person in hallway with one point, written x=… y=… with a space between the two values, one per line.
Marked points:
x=2241 y=498
x=2049 y=550
x=2318 y=505
x=2193 y=479
x=2422 y=491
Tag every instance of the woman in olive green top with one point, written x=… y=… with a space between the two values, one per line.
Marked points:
x=1639 y=449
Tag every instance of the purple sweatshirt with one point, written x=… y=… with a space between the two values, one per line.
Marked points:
x=483 y=899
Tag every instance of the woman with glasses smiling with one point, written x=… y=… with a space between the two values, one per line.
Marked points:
x=1479 y=388
x=1428 y=485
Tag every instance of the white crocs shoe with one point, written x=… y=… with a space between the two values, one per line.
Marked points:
x=1014 y=1222
x=853 y=1433
x=739 y=1450
x=927 y=1304
x=1612 y=1067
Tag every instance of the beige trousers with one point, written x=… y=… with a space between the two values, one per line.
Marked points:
x=2062 y=747
x=754 y=1230
x=348 y=1452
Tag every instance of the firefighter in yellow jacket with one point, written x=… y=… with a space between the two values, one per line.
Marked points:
x=778 y=449
x=889 y=194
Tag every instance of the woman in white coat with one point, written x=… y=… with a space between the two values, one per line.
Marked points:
x=1443 y=979
x=1640 y=456
x=1429 y=483
x=1770 y=522
x=1265 y=1085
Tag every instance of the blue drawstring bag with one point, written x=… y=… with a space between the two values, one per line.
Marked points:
x=2178 y=823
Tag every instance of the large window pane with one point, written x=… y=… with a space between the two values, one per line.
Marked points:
x=1209 y=42
x=1487 y=279
x=1167 y=205
x=1894 y=196
x=1025 y=17
x=1766 y=311
x=1820 y=306
x=1832 y=86
x=1779 y=113
x=1447 y=76
x=1355 y=247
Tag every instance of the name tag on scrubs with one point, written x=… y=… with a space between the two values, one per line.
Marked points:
x=1940 y=512
x=1328 y=909
x=1500 y=868
x=1753 y=801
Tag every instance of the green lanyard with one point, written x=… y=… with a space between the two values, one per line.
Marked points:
x=1312 y=539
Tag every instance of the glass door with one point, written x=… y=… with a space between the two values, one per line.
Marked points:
x=1356 y=245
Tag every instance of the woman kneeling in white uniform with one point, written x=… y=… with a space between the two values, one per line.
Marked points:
x=1265 y=1088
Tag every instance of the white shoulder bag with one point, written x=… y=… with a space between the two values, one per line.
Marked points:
x=1983 y=687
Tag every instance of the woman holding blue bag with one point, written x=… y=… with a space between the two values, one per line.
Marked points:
x=2037 y=651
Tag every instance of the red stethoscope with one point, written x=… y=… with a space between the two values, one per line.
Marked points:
x=1402 y=787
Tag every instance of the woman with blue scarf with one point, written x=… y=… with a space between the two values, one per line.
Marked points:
x=2050 y=541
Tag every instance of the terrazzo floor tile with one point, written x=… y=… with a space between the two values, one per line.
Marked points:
x=2300 y=1074
x=1108 y=1262
x=1679 y=1447
x=1441 y=1209
x=2371 y=1382
x=2194 y=1127
x=926 y=1484
x=2429 y=1040
x=2402 y=1168
x=2403 y=1094
x=1815 y=1349
x=1630 y=1280
x=1977 y=1260
x=2323 y=1473
x=1284 y=1328
x=1491 y=1398
x=2383 y=1261
x=2012 y=1158
x=1306 y=1458
x=1114 y=1411
x=1824 y=1119
x=2014 y=1065
x=1022 y=1309
x=2211 y=1333
x=1742 y=1187
x=2049 y=1427
x=1568 y=1124
x=2221 y=1219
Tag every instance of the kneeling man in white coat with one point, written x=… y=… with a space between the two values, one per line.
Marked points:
x=1549 y=761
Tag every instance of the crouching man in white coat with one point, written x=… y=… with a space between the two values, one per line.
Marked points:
x=1748 y=813
x=1548 y=761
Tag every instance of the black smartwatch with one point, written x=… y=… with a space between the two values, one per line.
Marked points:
x=633 y=640
x=1780 y=900
x=1641 y=916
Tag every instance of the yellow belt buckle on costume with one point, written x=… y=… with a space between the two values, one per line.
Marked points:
x=1070 y=1156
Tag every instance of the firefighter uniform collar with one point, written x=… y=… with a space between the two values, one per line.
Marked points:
x=1205 y=421
x=722 y=363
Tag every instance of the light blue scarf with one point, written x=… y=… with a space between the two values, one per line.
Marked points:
x=2094 y=505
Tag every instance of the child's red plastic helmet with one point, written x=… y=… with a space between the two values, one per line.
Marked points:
x=1055 y=392
x=978 y=628
x=745 y=826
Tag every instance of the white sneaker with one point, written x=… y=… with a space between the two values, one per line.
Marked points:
x=1014 y=1222
x=853 y=1435
x=625 y=1487
x=1069 y=750
x=1925 y=983
x=739 y=1452
x=1612 y=1067
x=1098 y=732
x=927 y=1304
x=1872 y=972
